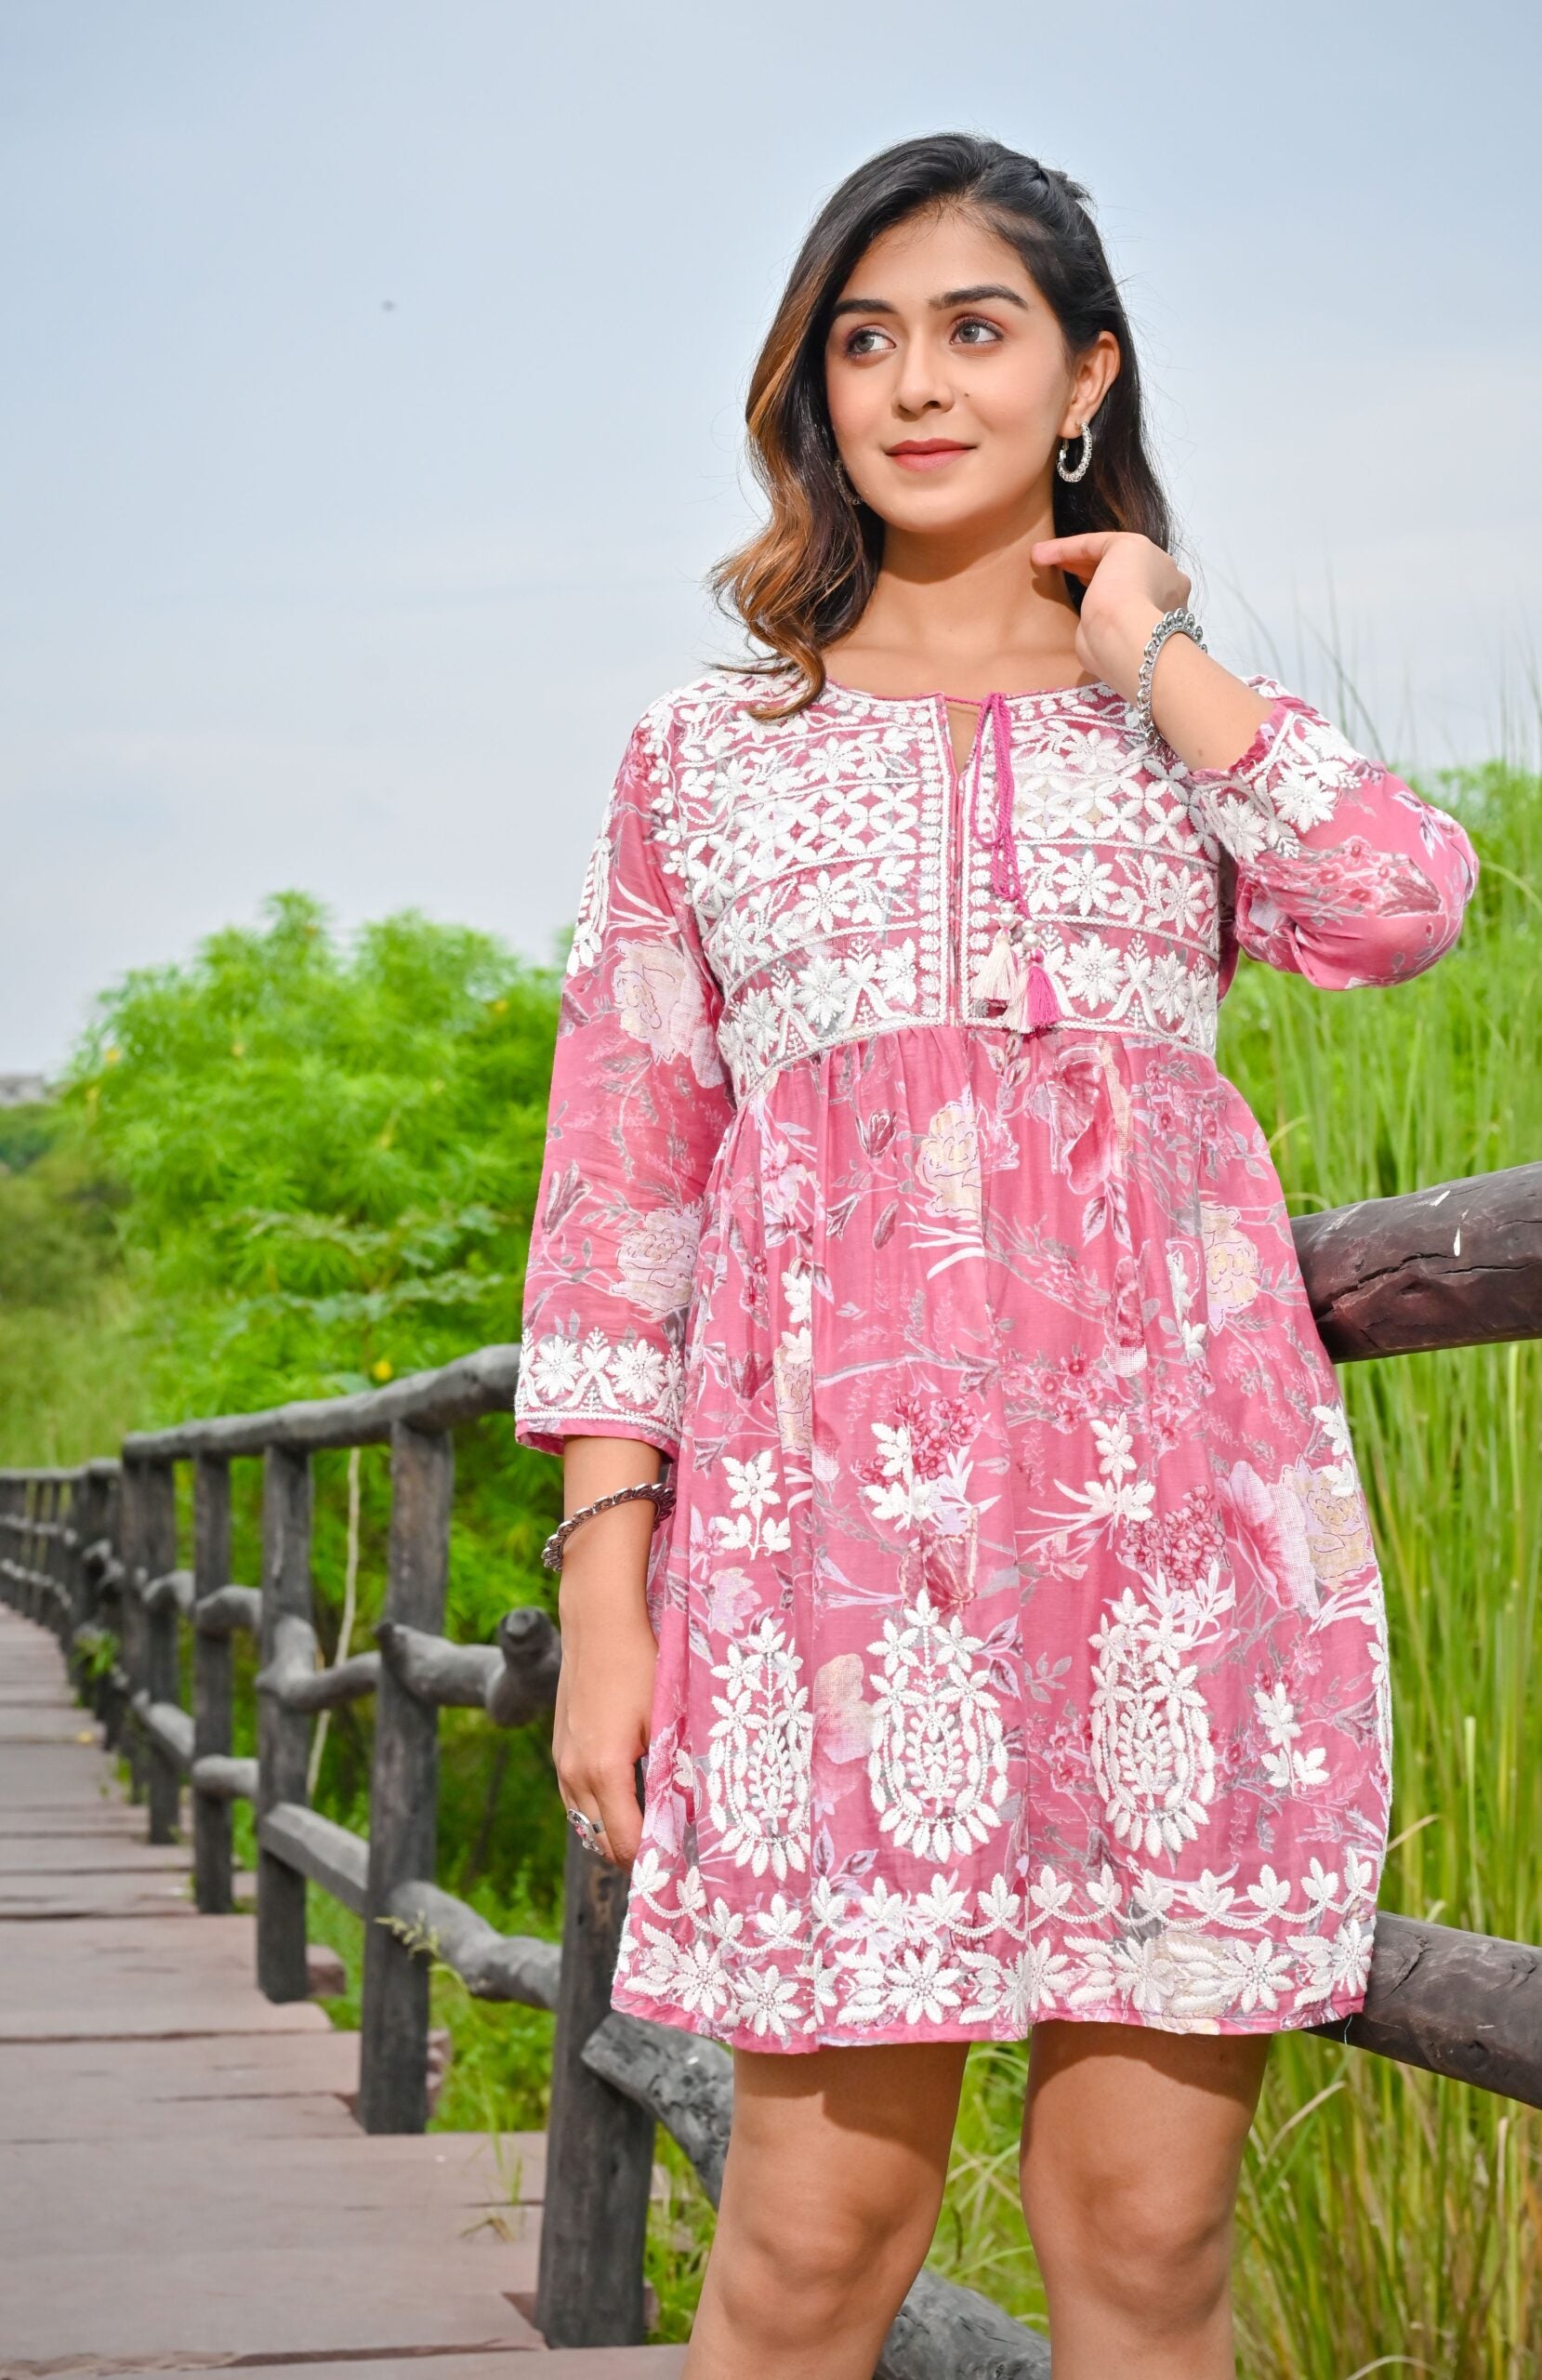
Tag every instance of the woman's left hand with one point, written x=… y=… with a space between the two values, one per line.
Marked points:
x=1208 y=715
x=1130 y=582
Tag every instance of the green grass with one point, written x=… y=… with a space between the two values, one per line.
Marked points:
x=498 y=2077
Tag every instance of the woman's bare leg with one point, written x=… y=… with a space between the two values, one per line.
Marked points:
x=1132 y=2146
x=835 y=2174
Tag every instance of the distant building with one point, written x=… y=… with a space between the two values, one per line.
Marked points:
x=22 y=1091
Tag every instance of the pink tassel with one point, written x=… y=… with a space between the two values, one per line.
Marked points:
x=1036 y=1005
x=1026 y=994
x=1043 y=1006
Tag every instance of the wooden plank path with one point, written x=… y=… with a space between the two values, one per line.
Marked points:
x=182 y=2186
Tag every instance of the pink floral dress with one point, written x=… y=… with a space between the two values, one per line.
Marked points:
x=1021 y=1642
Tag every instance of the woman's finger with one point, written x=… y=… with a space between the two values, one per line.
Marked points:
x=1086 y=549
x=585 y=1799
x=621 y=1812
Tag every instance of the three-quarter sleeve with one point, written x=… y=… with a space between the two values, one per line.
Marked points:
x=639 y=1102
x=1343 y=874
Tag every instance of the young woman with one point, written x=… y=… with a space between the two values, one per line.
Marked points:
x=1011 y=1657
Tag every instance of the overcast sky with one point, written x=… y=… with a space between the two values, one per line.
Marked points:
x=372 y=388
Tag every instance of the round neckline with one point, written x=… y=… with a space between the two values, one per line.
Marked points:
x=973 y=702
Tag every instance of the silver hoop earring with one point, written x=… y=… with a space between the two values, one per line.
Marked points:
x=1080 y=472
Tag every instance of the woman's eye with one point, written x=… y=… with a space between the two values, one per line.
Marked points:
x=977 y=323
x=853 y=346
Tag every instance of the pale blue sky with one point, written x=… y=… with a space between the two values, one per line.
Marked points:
x=302 y=590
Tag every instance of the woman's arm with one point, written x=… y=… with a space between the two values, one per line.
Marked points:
x=1343 y=874
x=605 y=1683
x=639 y=1102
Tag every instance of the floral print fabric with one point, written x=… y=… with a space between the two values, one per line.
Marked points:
x=1022 y=1644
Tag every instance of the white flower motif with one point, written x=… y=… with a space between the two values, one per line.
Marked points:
x=924 y=1983
x=759 y=1764
x=766 y=2002
x=1152 y=1754
x=938 y=1768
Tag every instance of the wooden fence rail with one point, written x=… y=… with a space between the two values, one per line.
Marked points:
x=93 y=1553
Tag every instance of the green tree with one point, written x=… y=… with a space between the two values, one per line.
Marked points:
x=295 y=1165
x=328 y=1153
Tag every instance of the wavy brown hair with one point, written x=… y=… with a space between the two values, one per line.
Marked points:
x=804 y=579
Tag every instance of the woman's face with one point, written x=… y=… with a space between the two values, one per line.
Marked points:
x=941 y=341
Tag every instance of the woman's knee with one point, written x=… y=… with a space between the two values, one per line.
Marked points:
x=834 y=2181
x=789 y=2272
x=1158 y=2254
x=1132 y=2146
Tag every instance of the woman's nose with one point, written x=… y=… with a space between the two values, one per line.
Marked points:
x=923 y=380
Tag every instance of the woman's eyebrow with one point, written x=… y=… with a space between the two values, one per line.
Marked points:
x=981 y=289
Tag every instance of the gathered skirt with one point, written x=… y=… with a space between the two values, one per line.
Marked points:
x=1022 y=1644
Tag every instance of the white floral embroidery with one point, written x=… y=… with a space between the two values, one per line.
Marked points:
x=757 y=1768
x=1151 y=1754
x=814 y=852
x=566 y=1378
x=588 y=933
x=938 y=1768
x=750 y=1526
x=1135 y=1948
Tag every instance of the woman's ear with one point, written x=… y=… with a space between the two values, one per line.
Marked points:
x=1096 y=372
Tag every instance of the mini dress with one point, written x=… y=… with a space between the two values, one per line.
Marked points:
x=1022 y=1643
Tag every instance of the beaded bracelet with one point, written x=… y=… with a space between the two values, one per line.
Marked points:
x=1178 y=623
x=661 y=1492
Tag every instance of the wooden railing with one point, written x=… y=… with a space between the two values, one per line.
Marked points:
x=93 y=1553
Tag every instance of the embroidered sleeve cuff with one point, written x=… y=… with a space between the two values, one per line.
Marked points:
x=597 y=1386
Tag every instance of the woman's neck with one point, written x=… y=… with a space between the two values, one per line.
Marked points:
x=963 y=613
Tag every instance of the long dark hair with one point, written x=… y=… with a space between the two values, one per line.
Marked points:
x=804 y=579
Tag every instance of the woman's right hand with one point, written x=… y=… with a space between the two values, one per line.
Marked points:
x=602 y=1721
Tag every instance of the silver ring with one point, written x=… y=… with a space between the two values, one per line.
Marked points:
x=587 y=1829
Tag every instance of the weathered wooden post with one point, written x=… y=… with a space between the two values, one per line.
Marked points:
x=94 y=1527
x=600 y=2146
x=404 y=1829
x=72 y=1571
x=158 y=1555
x=131 y=1626
x=212 y=1663
x=62 y=1567
x=26 y=1552
x=13 y=1508
x=45 y=1558
x=40 y=1553
x=112 y=1610
x=88 y=1517
x=283 y=1737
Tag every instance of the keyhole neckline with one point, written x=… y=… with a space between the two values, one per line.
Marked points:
x=973 y=702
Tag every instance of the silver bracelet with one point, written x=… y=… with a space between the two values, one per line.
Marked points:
x=1178 y=623
x=661 y=1492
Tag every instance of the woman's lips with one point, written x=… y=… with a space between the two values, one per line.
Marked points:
x=925 y=458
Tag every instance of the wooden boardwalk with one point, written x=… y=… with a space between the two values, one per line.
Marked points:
x=182 y=2186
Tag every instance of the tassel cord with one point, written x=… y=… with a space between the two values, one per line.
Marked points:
x=1031 y=998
